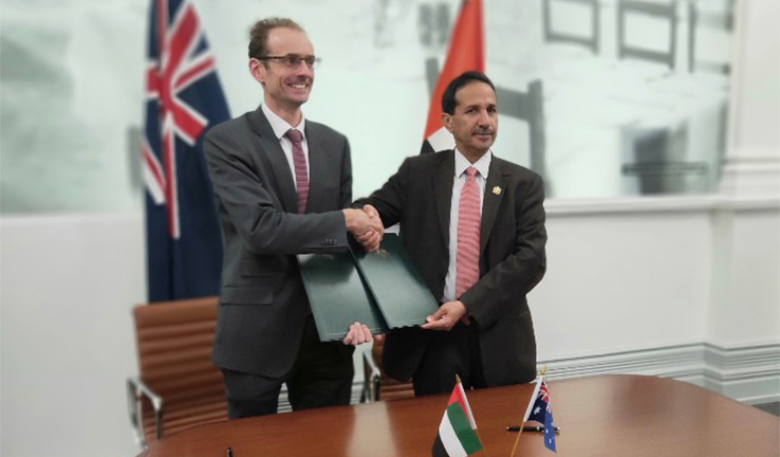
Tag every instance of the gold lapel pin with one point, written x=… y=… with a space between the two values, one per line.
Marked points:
x=497 y=190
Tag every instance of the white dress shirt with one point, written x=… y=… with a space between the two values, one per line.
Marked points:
x=461 y=164
x=280 y=127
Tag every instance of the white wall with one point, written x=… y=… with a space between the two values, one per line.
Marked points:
x=746 y=241
x=622 y=281
x=623 y=276
x=67 y=285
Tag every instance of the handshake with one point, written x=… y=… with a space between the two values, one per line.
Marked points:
x=366 y=226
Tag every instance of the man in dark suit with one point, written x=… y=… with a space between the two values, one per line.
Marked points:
x=473 y=225
x=281 y=184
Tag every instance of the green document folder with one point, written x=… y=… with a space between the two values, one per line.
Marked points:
x=337 y=295
x=403 y=297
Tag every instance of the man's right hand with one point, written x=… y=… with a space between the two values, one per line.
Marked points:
x=367 y=229
x=447 y=316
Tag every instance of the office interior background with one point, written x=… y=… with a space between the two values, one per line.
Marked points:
x=663 y=181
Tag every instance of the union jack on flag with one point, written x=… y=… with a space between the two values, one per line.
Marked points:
x=183 y=99
x=539 y=410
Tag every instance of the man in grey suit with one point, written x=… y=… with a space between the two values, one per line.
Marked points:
x=281 y=185
x=473 y=225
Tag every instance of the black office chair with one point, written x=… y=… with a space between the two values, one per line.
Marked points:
x=377 y=385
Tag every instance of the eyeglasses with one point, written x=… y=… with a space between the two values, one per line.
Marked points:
x=291 y=61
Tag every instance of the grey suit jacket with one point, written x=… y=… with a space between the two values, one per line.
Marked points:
x=263 y=305
x=512 y=259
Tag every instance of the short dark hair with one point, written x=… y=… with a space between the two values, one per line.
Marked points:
x=448 y=102
x=258 y=36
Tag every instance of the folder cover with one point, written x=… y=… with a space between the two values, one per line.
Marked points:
x=402 y=296
x=337 y=295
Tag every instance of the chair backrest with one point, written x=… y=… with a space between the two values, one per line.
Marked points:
x=667 y=11
x=722 y=21
x=591 y=42
x=174 y=359
x=528 y=106
x=174 y=348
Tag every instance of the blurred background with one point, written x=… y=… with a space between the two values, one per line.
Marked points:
x=634 y=103
x=659 y=144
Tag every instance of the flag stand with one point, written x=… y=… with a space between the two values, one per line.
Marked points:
x=522 y=424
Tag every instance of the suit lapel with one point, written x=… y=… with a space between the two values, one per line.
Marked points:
x=283 y=179
x=495 y=188
x=318 y=164
x=443 y=190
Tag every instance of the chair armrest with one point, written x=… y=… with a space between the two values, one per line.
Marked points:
x=371 y=377
x=136 y=391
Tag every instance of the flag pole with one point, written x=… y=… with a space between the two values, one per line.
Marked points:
x=517 y=440
x=522 y=424
x=457 y=379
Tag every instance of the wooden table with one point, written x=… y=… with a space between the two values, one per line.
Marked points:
x=599 y=416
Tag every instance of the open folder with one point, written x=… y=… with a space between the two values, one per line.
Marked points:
x=380 y=289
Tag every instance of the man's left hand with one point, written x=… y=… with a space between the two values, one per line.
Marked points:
x=358 y=334
x=446 y=316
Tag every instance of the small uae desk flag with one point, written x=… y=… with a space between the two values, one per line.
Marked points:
x=458 y=430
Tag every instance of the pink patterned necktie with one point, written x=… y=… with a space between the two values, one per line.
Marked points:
x=301 y=171
x=468 y=234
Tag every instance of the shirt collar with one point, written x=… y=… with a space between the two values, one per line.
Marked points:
x=482 y=165
x=280 y=126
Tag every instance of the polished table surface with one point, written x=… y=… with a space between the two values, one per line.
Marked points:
x=601 y=416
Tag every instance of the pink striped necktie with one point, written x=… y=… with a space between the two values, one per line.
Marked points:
x=468 y=234
x=301 y=171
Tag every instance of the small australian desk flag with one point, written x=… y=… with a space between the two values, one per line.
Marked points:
x=539 y=410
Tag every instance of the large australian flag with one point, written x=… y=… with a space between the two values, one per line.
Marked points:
x=183 y=100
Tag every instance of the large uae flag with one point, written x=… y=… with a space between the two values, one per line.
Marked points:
x=466 y=53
